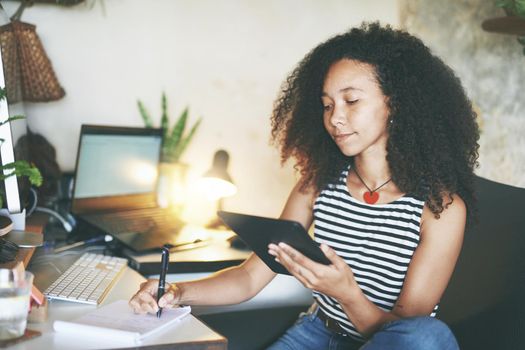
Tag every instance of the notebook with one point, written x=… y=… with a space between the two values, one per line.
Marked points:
x=115 y=186
x=118 y=322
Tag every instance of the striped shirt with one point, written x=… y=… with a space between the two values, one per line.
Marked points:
x=376 y=241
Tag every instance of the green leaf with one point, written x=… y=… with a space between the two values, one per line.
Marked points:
x=10 y=119
x=22 y=168
x=145 y=115
x=186 y=140
x=172 y=142
x=3 y=93
x=164 y=120
x=19 y=168
x=512 y=7
x=520 y=7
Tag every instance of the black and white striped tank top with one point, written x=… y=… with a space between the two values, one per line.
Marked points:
x=376 y=241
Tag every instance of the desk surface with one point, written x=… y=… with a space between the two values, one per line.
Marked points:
x=189 y=333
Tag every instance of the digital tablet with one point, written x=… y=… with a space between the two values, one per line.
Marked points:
x=258 y=232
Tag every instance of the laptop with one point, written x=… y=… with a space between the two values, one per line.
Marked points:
x=115 y=185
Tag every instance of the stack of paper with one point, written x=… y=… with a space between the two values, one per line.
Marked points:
x=118 y=321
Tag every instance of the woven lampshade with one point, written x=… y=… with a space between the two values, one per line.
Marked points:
x=29 y=75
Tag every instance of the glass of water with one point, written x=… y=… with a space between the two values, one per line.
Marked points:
x=15 y=294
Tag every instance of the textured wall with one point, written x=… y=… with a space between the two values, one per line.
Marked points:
x=492 y=69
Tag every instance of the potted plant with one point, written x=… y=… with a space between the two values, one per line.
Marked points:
x=172 y=177
x=512 y=23
x=18 y=168
x=175 y=141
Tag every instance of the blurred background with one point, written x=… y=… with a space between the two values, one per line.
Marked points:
x=226 y=60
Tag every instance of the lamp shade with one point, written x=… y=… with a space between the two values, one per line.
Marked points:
x=219 y=168
x=217 y=182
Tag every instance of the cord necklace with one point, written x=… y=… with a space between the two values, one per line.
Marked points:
x=370 y=196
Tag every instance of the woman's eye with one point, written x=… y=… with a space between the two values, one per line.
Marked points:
x=351 y=102
x=327 y=107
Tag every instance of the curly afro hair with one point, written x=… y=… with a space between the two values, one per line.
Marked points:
x=432 y=148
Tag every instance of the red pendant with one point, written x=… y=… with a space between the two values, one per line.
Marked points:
x=370 y=197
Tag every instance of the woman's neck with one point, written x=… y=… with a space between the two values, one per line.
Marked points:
x=373 y=170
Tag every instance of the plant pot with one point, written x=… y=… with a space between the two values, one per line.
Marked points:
x=171 y=189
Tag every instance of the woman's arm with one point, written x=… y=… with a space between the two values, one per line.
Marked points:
x=229 y=286
x=427 y=276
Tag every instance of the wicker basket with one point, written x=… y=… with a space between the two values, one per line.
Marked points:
x=29 y=75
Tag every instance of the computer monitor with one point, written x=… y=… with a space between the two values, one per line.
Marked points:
x=12 y=196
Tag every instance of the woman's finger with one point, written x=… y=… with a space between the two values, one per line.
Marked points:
x=150 y=286
x=336 y=260
x=140 y=303
x=135 y=305
x=299 y=258
x=171 y=298
x=148 y=302
x=310 y=267
x=301 y=272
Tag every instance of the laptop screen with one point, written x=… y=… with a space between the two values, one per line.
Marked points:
x=116 y=161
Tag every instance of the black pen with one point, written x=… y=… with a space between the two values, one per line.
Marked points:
x=162 y=280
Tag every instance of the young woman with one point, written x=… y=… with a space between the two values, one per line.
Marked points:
x=386 y=142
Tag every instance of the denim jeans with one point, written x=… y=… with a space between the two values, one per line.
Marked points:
x=413 y=333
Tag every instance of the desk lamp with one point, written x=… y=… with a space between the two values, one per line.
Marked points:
x=218 y=184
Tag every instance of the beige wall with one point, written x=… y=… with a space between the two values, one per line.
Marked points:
x=224 y=58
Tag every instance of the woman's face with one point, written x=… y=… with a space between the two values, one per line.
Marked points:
x=355 y=110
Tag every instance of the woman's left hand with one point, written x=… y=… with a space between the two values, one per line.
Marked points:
x=333 y=280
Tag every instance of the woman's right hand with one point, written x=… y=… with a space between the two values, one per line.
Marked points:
x=145 y=300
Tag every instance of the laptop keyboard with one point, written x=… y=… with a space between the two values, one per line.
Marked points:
x=141 y=230
x=143 y=220
x=132 y=225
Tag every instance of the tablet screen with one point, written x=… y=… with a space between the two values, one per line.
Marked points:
x=258 y=232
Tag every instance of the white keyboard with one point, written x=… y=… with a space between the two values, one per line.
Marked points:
x=88 y=280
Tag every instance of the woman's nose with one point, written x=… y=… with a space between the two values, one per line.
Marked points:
x=338 y=117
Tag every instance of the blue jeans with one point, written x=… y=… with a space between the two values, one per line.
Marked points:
x=413 y=333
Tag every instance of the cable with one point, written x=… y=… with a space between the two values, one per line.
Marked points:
x=106 y=238
x=34 y=202
x=67 y=226
x=44 y=259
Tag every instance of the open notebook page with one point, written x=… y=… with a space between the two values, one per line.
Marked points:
x=118 y=321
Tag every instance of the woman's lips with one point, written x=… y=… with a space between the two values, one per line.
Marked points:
x=343 y=137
